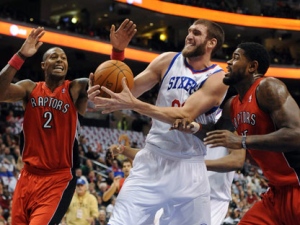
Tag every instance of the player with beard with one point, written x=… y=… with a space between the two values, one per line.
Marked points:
x=169 y=172
x=267 y=121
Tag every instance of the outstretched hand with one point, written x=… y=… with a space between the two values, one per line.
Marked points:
x=93 y=90
x=223 y=138
x=32 y=42
x=117 y=101
x=120 y=39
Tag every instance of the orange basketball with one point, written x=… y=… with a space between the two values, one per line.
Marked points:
x=110 y=73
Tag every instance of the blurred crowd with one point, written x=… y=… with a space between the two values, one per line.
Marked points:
x=271 y=8
x=98 y=170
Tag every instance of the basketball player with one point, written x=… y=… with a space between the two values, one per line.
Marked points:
x=169 y=172
x=49 y=139
x=267 y=121
x=221 y=164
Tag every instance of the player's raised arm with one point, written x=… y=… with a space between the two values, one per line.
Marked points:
x=121 y=37
x=119 y=40
x=11 y=92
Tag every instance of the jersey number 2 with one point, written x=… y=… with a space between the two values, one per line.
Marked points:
x=48 y=116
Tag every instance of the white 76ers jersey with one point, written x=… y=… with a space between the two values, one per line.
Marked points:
x=179 y=82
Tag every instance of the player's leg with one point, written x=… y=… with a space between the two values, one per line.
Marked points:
x=20 y=199
x=141 y=195
x=218 y=209
x=287 y=204
x=194 y=212
x=262 y=212
x=189 y=192
x=52 y=198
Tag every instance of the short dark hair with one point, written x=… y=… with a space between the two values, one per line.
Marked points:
x=255 y=51
x=214 y=30
x=47 y=52
x=127 y=160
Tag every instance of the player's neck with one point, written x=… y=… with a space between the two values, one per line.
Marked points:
x=200 y=62
x=52 y=84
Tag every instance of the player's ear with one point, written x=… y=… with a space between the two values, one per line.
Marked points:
x=212 y=43
x=42 y=65
x=253 y=66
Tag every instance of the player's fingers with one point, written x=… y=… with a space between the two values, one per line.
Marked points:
x=32 y=32
x=92 y=95
x=105 y=89
x=214 y=139
x=124 y=84
x=176 y=123
x=214 y=132
x=41 y=33
x=124 y=24
x=39 y=44
x=103 y=102
x=94 y=88
x=213 y=142
x=131 y=33
x=107 y=111
x=129 y=24
x=91 y=79
x=112 y=29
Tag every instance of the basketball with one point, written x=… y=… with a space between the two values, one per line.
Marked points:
x=110 y=73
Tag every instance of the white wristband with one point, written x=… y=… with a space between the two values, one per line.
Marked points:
x=244 y=142
x=196 y=127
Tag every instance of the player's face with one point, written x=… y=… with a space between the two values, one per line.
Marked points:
x=195 y=41
x=55 y=63
x=126 y=168
x=237 y=67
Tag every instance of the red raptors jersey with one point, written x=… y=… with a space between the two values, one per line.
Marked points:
x=50 y=128
x=278 y=167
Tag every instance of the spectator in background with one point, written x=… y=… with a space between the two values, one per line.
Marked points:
x=110 y=207
x=87 y=167
x=79 y=174
x=2 y=222
x=5 y=199
x=83 y=208
x=8 y=157
x=117 y=184
x=251 y=196
x=102 y=219
x=233 y=217
x=8 y=220
x=8 y=136
x=11 y=119
x=102 y=187
x=123 y=123
x=91 y=154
